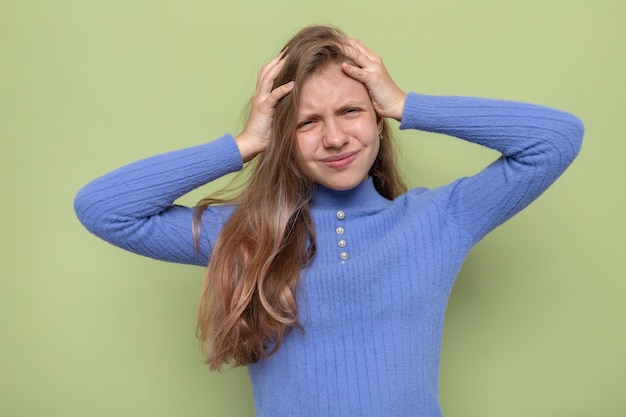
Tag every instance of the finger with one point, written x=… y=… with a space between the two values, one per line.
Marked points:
x=278 y=58
x=268 y=73
x=353 y=54
x=355 y=72
x=360 y=46
x=281 y=91
x=266 y=104
x=359 y=52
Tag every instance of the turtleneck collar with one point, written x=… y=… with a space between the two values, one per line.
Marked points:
x=363 y=197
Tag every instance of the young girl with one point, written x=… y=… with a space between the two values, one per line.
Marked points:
x=326 y=277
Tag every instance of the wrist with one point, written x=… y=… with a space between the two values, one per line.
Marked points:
x=399 y=108
x=248 y=146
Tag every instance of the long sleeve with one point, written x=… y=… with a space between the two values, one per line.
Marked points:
x=133 y=206
x=537 y=144
x=373 y=320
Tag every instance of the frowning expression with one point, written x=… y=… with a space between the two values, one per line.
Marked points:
x=337 y=132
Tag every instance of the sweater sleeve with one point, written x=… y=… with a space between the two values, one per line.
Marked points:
x=133 y=206
x=537 y=144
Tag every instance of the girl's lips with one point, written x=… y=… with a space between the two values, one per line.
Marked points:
x=340 y=161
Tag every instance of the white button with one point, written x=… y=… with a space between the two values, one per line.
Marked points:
x=339 y=230
x=341 y=243
x=341 y=214
x=343 y=255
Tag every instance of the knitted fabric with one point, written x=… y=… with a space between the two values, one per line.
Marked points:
x=372 y=302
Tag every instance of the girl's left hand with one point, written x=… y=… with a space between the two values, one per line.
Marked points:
x=387 y=98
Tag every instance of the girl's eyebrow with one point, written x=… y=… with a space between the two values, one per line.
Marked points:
x=355 y=103
x=346 y=105
x=305 y=116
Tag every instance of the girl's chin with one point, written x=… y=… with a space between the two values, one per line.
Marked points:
x=342 y=184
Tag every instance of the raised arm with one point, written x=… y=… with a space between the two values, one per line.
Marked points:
x=132 y=207
x=537 y=144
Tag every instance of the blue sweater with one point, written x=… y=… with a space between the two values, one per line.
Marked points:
x=373 y=300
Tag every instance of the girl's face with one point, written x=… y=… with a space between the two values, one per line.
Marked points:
x=337 y=134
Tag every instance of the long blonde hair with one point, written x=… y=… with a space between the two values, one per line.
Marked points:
x=248 y=299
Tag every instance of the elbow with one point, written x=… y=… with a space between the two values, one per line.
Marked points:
x=91 y=212
x=559 y=142
x=567 y=139
x=84 y=209
x=576 y=135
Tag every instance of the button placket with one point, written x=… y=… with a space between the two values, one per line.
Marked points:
x=343 y=255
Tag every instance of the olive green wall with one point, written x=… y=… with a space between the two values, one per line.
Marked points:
x=536 y=323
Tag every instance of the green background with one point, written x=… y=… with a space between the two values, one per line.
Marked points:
x=536 y=323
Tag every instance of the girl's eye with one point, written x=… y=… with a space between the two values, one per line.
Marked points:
x=305 y=123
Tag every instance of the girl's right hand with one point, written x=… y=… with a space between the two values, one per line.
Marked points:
x=256 y=134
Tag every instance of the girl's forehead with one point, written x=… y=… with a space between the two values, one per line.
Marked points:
x=330 y=86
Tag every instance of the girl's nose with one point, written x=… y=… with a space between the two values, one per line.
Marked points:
x=334 y=135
